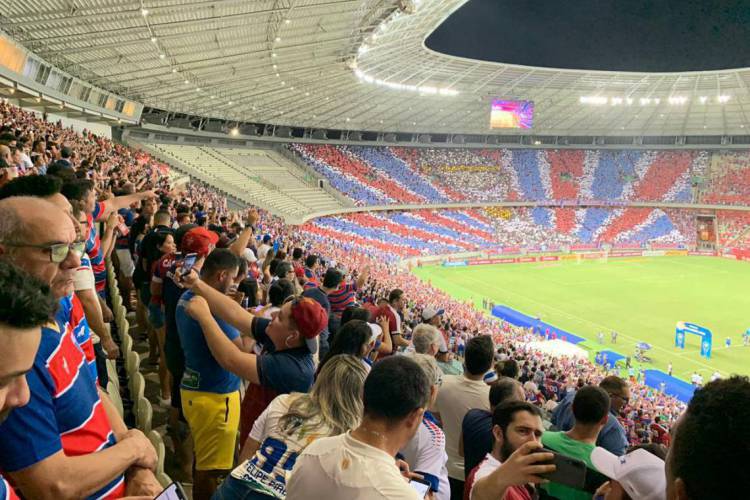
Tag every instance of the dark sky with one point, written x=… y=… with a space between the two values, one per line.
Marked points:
x=624 y=35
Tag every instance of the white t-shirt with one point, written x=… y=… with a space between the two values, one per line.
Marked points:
x=267 y=470
x=344 y=468
x=425 y=454
x=455 y=398
x=262 y=251
x=486 y=467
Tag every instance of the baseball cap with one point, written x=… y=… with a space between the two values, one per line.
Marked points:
x=431 y=312
x=249 y=256
x=311 y=319
x=198 y=240
x=640 y=472
x=376 y=332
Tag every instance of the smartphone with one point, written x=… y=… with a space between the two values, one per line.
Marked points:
x=188 y=262
x=172 y=492
x=568 y=471
x=421 y=486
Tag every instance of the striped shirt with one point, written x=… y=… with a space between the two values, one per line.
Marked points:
x=6 y=490
x=342 y=297
x=94 y=248
x=82 y=333
x=64 y=411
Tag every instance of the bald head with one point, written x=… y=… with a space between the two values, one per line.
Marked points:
x=28 y=227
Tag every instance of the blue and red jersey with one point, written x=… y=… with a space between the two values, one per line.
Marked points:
x=94 y=248
x=6 y=490
x=342 y=297
x=65 y=412
x=82 y=333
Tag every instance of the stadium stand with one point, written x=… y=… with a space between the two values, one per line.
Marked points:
x=387 y=175
x=361 y=245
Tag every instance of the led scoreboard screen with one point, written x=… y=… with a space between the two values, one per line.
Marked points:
x=511 y=114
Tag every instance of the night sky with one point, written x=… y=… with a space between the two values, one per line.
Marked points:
x=620 y=35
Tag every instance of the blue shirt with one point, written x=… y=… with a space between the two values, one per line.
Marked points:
x=202 y=371
x=478 y=439
x=290 y=370
x=612 y=436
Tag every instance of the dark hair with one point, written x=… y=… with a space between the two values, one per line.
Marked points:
x=41 y=186
x=161 y=237
x=25 y=302
x=590 y=405
x=479 y=355
x=221 y=259
x=62 y=170
x=395 y=295
x=395 y=387
x=349 y=339
x=283 y=268
x=503 y=390
x=332 y=278
x=65 y=152
x=613 y=383
x=504 y=413
x=279 y=291
x=712 y=438
x=297 y=253
x=78 y=189
x=273 y=265
x=656 y=449
x=354 y=313
x=311 y=260
x=507 y=368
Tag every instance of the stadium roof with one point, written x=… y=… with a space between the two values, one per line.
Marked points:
x=351 y=64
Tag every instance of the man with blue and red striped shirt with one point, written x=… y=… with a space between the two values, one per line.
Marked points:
x=79 y=447
x=25 y=305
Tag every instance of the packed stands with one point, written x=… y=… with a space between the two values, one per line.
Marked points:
x=389 y=175
x=728 y=181
x=363 y=245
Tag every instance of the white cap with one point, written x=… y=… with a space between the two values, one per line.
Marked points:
x=431 y=312
x=640 y=473
x=376 y=332
x=249 y=256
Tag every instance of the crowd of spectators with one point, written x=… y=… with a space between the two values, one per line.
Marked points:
x=357 y=377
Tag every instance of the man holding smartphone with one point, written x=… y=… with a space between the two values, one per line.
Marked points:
x=513 y=465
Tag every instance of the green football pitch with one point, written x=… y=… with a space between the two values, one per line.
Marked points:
x=640 y=298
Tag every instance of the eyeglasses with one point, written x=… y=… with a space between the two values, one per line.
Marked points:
x=58 y=252
x=625 y=400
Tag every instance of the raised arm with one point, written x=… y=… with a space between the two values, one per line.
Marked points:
x=226 y=352
x=221 y=305
x=239 y=246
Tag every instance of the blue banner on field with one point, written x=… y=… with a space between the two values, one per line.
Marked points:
x=540 y=327
x=608 y=358
x=671 y=385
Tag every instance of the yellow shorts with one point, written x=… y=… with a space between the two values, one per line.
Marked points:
x=213 y=420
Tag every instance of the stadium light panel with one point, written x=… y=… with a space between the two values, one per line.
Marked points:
x=235 y=131
x=703 y=99
x=144 y=12
x=723 y=99
x=153 y=39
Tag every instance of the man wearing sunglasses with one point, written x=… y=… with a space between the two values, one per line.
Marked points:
x=78 y=447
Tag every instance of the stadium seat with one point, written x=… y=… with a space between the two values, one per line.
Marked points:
x=112 y=373
x=144 y=414
x=114 y=395
x=132 y=363
x=127 y=343
x=158 y=443
x=137 y=387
